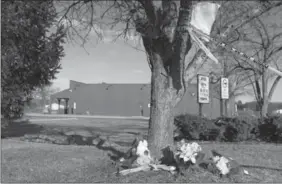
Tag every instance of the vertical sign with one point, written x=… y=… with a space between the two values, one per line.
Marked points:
x=74 y=105
x=203 y=89
x=224 y=88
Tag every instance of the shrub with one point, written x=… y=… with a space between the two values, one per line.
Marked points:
x=270 y=129
x=4 y=125
x=237 y=129
x=192 y=127
x=224 y=129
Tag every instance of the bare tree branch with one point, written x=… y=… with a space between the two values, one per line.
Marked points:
x=273 y=52
x=276 y=36
x=69 y=9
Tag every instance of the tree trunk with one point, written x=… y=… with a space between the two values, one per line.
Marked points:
x=164 y=98
x=166 y=53
x=273 y=87
x=259 y=97
x=264 y=107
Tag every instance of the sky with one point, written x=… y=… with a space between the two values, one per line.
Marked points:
x=111 y=62
x=103 y=62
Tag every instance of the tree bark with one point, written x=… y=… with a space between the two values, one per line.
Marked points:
x=164 y=98
x=258 y=95
x=160 y=131
x=267 y=96
x=166 y=53
x=265 y=100
x=273 y=87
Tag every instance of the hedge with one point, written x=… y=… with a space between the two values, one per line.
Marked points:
x=192 y=127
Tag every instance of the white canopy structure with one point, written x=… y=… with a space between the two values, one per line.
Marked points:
x=55 y=106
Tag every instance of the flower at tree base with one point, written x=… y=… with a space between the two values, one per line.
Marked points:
x=143 y=153
x=222 y=164
x=226 y=165
x=188 y=151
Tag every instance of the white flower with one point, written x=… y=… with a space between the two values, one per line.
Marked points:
x=188 y=151
x=143 y=153
x=172 y=168
x=122 y=159
x=142 y=147
x=222 y=164
x=246 y=172
x=193 y=160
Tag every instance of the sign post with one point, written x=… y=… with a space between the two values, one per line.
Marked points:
x=203 y=91
x=224 y=93
x=224 y=83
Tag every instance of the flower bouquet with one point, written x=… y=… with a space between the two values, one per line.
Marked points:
x=189 y=153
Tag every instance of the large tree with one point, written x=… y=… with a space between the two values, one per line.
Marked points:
x=163 y=29
x=31 y=49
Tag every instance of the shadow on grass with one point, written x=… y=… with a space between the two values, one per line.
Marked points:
x=138 y=132
x=116 y=148
x=20 y=128
x=123 y=143
x=115 y=151
x=99 y=143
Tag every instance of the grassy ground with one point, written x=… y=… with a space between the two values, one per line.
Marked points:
x=35 y=162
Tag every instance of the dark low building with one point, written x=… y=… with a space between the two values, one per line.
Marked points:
x=124 y=100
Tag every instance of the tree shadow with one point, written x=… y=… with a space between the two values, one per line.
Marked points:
x=133 y=133
x=99 y=143
x=116 y=153
x=123 y=143
x=20 y=128
x=168 y=157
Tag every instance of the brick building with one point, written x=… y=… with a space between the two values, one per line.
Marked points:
x=124 y=100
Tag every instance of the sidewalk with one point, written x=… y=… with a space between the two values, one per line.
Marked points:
x=86 y=116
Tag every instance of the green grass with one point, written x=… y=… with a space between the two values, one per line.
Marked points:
x=45 y=163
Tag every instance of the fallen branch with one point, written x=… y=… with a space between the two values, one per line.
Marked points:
x=141 y=168
x=162 y=167
x=153 y=167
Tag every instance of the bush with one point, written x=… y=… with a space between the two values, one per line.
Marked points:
x=237 y=129
x=4 y=124
x=192 y=127
x=223 y=129
x=270 y=129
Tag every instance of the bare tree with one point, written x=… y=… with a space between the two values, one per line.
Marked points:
x=260 y=37
x=163 y=29
x=238 y=86
x=262 y=40
x=239 y=82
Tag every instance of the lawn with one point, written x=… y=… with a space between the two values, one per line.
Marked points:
x=34 y=162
